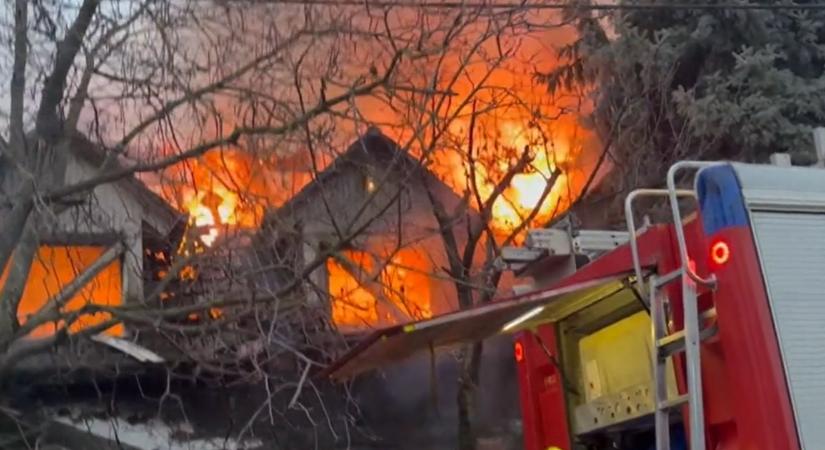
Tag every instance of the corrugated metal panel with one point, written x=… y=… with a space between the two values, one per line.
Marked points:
x=777 y=180
x=792 y=249
x=782 y=188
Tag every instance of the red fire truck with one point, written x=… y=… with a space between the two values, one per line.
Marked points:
x=704 y=333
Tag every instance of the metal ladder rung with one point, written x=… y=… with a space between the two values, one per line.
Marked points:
x=669 y=277
x=675 y=342
x=672 y=403
x=671 y=344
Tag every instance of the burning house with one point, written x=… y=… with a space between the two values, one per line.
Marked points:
x=115 y=225
x=370 y=212
x=370 y=218
x=371 y=202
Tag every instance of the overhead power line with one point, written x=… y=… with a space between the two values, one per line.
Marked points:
x=554 y=5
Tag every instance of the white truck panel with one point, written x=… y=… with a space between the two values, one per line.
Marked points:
x=787 y=214
x=792 y=249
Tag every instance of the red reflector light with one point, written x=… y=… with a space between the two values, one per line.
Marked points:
x=518 y=351
x=719 y=253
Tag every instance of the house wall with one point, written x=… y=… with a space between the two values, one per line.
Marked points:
x=398 y=215
x=111 y=208
x=114 y=211
x=74 y=238
x=121 y=209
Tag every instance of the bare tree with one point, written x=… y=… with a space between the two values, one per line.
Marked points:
x=512 y=157
x=495 y=218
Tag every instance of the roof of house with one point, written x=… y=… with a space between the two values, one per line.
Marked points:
x=370 y=148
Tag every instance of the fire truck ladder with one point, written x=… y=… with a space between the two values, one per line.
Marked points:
x=689 y=338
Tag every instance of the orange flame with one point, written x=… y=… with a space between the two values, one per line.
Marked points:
x=229 y=188
x=555 y=149
x=226 y=189
x=526 y=117
x=525 y=197
x=226 y=186
x=212 y=209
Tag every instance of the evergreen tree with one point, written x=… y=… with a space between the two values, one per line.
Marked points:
x=706 y=83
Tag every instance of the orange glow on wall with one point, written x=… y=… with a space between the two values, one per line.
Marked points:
x=55 y=267
x=352 y=305
x=408 y=283
x=404 y=281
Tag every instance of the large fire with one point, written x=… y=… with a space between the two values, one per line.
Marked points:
x=233 y=192
x=507 y=111
x=232 y=188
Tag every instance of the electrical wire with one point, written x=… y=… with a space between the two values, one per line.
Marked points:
x=540 y=6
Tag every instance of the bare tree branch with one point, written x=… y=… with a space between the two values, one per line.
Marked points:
x=48 y=123
x=18 y=274
x=231 y=139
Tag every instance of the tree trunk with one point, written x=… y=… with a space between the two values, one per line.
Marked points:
x=468 y=379
x=12 y=290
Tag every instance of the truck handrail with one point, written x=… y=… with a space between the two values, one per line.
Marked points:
x=631 y=226
x=677 y=217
